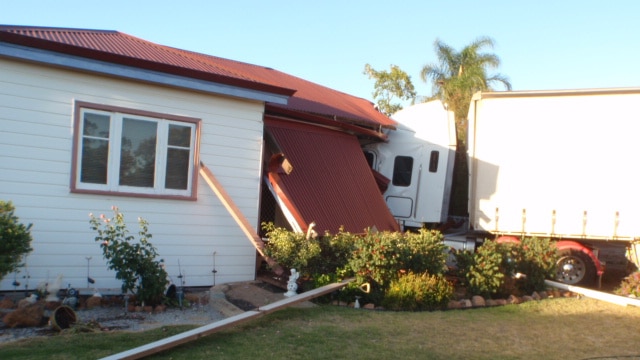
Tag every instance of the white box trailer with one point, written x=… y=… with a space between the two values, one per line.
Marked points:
x=557 y=164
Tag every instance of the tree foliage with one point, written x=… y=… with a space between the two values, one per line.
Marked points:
x=460 y=74
x=390 y=85
x=15 y=239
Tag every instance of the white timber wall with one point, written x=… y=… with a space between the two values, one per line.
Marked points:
x=36 y=135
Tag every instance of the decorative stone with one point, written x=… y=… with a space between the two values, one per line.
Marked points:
x=478 y=301
x=535 y=296
x=512 y=299
x=526 y=298
x=465 y=303
x=94 y=302
x=501 y=302
x=543 y=295
x=369 y=306
x=453 y=304
x=491 y=302
x=27 y=316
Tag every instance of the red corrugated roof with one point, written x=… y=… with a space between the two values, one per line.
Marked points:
x=331 y=182
x=120 y=48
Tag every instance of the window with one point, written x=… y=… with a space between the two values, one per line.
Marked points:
x=132 y=152
x=402 y=169
x=433 y=161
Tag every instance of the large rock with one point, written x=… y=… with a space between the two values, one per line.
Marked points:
x=478 y=301
x=26 y=316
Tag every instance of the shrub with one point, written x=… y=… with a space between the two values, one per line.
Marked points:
x=335 y=252
x=630 y=286
x=15 y=239
x=483 y=272
x=134 y=262
x=380 y=258
x=491 y=270
x=538 y=262
x=289 y=249
x=418 y=292
x=424 y=251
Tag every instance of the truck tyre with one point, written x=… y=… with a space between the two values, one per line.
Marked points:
x=575 y=268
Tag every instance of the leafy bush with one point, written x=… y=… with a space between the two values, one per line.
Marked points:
x=418 y=292
x=492 y=269
x=630 y=286
x=423 y=251
x=335 y=252
x=289 y=249
x=381 y=258
x=134 y=262
x=538 y=263
x=483 y=272
x=15 y=239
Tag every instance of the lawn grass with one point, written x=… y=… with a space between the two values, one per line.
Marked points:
x=550 y=329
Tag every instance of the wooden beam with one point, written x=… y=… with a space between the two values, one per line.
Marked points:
x=599 y=295
x=197 y=333
x=187 y=336
x=237 y=215
x=307 y=295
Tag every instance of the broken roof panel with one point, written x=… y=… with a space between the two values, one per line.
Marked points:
x=330 y=183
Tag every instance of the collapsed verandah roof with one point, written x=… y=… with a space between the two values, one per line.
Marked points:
x=122 y=49
x=330 y=184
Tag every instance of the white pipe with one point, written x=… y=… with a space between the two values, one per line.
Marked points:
x=599 y=295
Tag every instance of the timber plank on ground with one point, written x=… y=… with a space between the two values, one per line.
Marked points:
x=197 y=333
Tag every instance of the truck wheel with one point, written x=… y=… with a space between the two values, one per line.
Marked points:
x=575 y=268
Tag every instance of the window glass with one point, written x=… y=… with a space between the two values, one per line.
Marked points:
x=177 y=169
x=402 y=169
x=138 y=152
x=133 y=153
x=433 y=161
x=370 y=158
x=95 y=148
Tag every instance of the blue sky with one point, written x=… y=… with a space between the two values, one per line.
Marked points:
x=544 y=44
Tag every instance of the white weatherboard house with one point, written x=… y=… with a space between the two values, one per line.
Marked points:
x=94 y=119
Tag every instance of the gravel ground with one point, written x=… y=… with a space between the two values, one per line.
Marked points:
x=206 y=306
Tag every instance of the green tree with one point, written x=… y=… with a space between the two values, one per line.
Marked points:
x=460 y=74
x=15 y=239
x=390 y=85
x=455 y=78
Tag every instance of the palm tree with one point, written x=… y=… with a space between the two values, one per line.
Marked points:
x=458 y=75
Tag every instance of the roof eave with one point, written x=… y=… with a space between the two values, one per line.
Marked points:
x=323 y=120
x=43 y=51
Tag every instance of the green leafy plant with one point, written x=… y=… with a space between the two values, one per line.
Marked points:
x=15 y=239
x=483 y=272
x=423 y=251
x=630 y=286
x=133 y=261
x=538 y=263
x=335 y=252
x=502 y=269
x=380 y=258
x=289 y=249
x=415 y=292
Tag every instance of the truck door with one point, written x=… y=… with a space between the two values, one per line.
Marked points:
x=401 y=199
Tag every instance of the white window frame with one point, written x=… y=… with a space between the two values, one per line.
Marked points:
x=112 y=187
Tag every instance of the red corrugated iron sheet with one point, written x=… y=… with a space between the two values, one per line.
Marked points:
x=116 y=47
x=331 y=182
